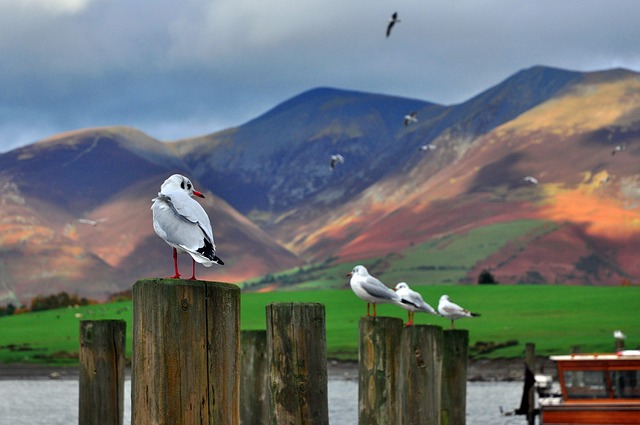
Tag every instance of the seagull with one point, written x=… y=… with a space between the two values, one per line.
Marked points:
x=183 y=223
x=453 y=311
x=392 y=22
x=428 y=147
x=336 y=159
x=619 y=335
x=412 y=301
x=531 y=180
x=92 y=222
x=410 y=118
x=619 y=148
x=370 y=289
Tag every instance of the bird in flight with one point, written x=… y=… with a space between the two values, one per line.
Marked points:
x=619 y=148
x=392 y=22
x=336 y=159
x=531 y=180
x=428 y=147
x=410 y=118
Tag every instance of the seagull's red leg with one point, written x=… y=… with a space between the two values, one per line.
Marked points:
x=175 y=264
x=193 y=274
x=368 y=306
x=374 y=310
x=409 y=318
x=453 y=326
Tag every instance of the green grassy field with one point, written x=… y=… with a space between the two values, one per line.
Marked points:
x=555 y=318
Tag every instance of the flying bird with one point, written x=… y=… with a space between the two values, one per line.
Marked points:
x=92 y=222
x=412 y=301
x=531 y=180
x=428 y=147
x=392 y=22
x=619 y=148
x=182 y=222
x=370 y=289
x=336 y=159
x=410 y=118
x=453 y=311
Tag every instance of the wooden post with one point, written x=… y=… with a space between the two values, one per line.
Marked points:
x=421 y=375
x=254 y=378
x=454 y=376
x=102 y=348
x=297 y=350
x=186 y=360
x=530 y=359
x=379 y=360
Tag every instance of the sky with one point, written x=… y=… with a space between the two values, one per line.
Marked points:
x=176 y=69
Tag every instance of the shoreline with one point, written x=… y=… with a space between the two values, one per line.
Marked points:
x=479 y=370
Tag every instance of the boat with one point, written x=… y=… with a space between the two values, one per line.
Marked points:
x=595 y=389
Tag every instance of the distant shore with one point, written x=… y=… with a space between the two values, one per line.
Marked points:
x=478 y=370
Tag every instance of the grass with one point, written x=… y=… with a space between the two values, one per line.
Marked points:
x=555 y=318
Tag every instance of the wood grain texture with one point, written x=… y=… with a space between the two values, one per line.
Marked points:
x=454 y=376
x=102 y=358
x=254 y=378
x=296 y=337
x=186 y=357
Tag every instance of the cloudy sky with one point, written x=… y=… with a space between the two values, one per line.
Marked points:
x=181 y=68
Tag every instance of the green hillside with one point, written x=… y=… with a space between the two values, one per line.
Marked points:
x=555 y=318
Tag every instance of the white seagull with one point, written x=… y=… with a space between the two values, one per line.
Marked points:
x=183 y=224
x=428 y=147
x=92 y=222
x=370 y=289
x=392 y=22
x=410 y=118
x=531 y=179
x=453 y=311
x=336 y=159
x=619 y=148
x=619 y=335
x=412 y=301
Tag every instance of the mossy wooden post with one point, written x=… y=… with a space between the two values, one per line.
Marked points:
x=186 y=352
x=421 y=375
x=297 y=350
x=254 y=378
x=379 y=360
x=455 y=351
x=102 y=348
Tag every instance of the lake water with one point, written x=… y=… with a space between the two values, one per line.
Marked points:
x=55 y=402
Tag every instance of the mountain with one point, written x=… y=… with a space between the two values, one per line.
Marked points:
x=275 y=203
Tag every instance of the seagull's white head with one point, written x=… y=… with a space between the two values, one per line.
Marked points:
x=402 y=285
x=444 y=298
x=359 y=271
x=179 y=182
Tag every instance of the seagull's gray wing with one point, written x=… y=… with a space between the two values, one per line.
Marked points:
x=375 y=288
x=181 y=230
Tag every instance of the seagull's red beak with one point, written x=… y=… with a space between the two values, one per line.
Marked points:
x=349 y=274
x=195 y=192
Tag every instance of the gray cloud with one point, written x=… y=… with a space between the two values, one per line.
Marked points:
x=177 y=69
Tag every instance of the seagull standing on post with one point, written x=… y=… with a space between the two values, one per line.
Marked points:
x=182 y=222
x=370 y=289
x=453 y=311
x=412 y=301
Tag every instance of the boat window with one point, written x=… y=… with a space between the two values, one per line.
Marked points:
x=626 y=383
x=585 y=384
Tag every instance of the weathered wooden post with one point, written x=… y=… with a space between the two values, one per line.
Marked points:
x=297 y=347
x=102 y=353
x=379 y=360
x=530 y=359
x=421 y=375
x=254 y=378
x=186 y=360
x=454 y=376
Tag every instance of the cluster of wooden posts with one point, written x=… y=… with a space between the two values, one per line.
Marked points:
x=191 y=364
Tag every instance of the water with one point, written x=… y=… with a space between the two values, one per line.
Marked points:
x=55 y=402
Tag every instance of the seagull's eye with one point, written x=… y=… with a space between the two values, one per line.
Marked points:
x=189 y=186
x=182 y=184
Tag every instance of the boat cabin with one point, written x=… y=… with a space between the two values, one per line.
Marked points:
x=596 y=389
